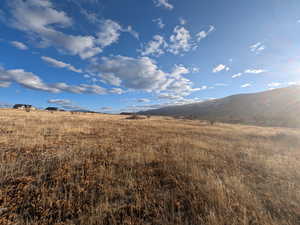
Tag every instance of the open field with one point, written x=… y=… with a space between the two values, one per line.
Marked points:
x=88 y=169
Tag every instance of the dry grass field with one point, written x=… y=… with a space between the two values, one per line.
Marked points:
x=89 y=169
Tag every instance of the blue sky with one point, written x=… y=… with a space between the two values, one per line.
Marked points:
x=131 y=55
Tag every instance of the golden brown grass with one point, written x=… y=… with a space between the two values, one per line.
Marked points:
x=61 y=168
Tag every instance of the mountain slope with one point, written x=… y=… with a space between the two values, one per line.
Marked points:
x=278 y=107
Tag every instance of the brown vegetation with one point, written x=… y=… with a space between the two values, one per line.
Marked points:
x=136 y=117
x=90 y=169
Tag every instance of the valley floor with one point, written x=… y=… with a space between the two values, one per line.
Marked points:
x=89 y=169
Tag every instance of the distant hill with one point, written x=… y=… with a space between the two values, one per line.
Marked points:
x=277 y=107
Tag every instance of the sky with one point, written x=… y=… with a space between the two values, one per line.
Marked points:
x=132 y=55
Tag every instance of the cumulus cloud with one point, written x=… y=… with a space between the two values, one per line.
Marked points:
x=159 y=23
x=164 y=4
x=155 y=47
x=109 y=33
x=257 y=47
x=139 y=74
x=246 y=85
x=203 y=34
x=111 y=79
x=142 y=74
x=180 y=41
x=26 y=79
x=19 y=45
x=118 y=91
x=237 y=75
x=274 y=84
x=31 y=81
x=219 y=68
x=39 y=19
x=255 y=71
x=179 y=70
x=60 y=64
x=42 y=22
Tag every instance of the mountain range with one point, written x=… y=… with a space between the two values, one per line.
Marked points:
x=277 y=107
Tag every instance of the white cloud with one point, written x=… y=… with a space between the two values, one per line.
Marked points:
x=32 y=81
x=26 y=79
x=4 y=84
x=109 y=33
x=142 y=74
x=179 y=70
x=172 y=102
x=163 y=3
x=155 y=47
x=180 y=41
x=219 y=68
x=274 y=84
x=65 y=104
x=195 y=69
x=19 y=45
x=221 y=84
x=60 y=64
x=130 y=30
x=143 y=100
x=246 y=85
x=159 y=23
x=91 y=17
x=59 y=101
x=292 y=83
x=182 y=21
x=139 y=74
x=34 y=15
x=255 y=71
x=41 y=21
x=111 y=79
x=203 y=34
x=118 y=91
x=237 y=75
x=257 y=47
x=169 y=96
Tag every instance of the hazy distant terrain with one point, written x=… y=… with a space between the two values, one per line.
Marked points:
x=90 y=169
x=278 y=107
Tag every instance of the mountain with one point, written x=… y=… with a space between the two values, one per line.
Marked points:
x=277 y=107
